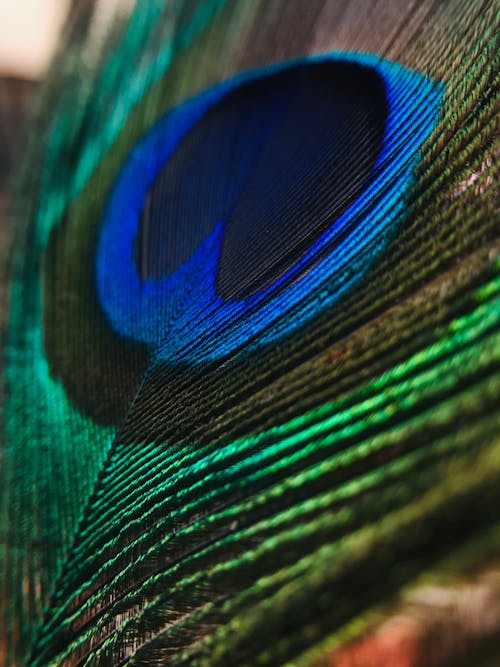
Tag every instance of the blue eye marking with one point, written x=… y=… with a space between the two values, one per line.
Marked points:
x=248 y=209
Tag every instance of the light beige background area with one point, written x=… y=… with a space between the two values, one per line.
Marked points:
x=28 y=34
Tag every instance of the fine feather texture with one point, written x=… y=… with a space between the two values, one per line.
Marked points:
x=252 y=365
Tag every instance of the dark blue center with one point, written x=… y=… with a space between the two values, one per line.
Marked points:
x=277 y=159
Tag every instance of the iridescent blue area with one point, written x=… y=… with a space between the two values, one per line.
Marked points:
x=183 y=315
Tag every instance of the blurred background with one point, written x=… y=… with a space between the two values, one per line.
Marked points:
x=30 y=34
x=29 y=31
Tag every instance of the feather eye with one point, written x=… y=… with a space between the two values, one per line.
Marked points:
x=249 y=198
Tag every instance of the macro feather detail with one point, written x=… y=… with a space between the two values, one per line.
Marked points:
x=252 y=366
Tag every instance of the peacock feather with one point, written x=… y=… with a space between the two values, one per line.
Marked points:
x=252 y=361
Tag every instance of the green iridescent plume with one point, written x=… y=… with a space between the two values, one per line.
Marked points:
x=252 y=366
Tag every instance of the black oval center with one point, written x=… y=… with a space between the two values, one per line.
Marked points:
x=278 y=159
